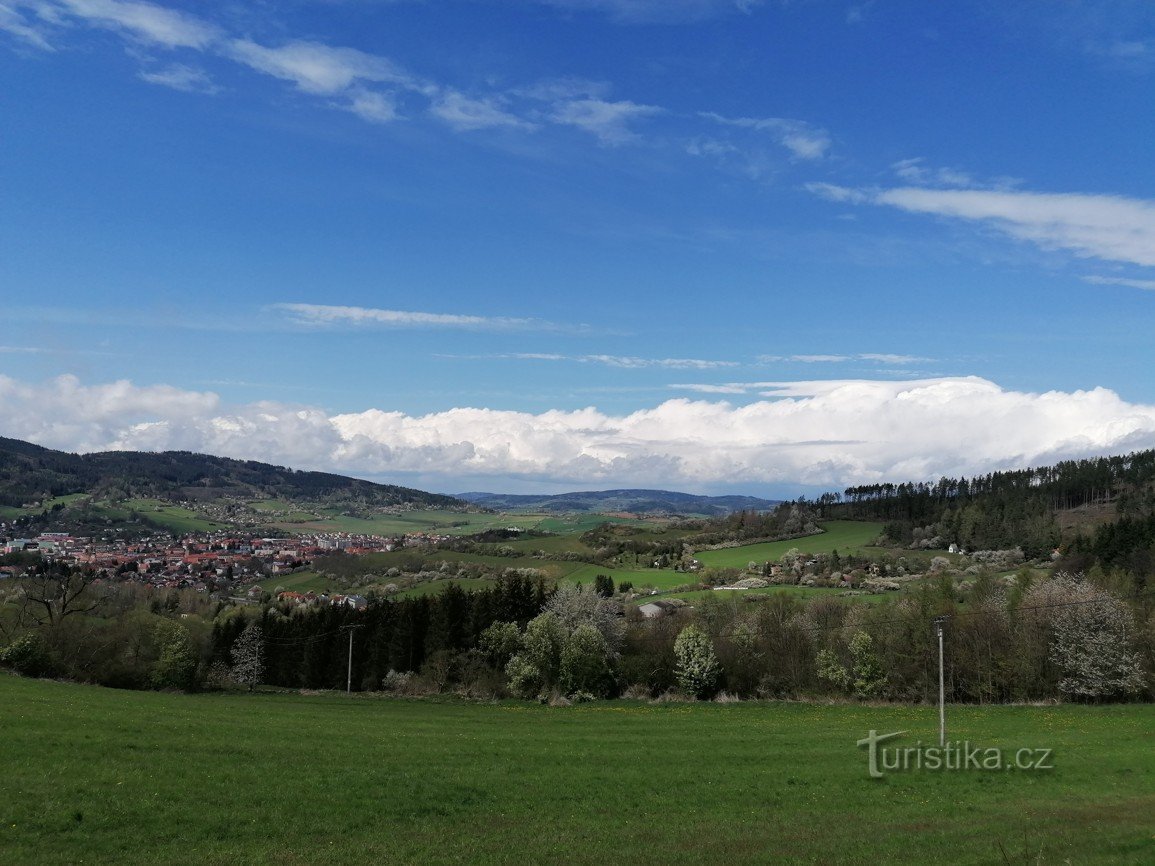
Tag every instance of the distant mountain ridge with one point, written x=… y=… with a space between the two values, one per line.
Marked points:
x=630 y=501
x=30 y=473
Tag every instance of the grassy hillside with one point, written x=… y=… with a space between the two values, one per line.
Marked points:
x=103 y=776
x=845 y=536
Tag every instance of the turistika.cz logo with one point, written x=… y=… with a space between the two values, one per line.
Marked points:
x=952 y=757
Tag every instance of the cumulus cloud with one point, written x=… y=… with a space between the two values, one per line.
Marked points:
x=1108 y=227
x=825 y=433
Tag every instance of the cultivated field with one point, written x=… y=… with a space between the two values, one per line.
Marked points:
x=102 y=776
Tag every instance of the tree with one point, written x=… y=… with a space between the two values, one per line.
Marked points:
x=869 y=677
x=586 y=665
x=533 y=672
x=248 y=655
x=697 y=670
x=604 y=585
x=176 y=665
x=54 y=591
x=1090 y=647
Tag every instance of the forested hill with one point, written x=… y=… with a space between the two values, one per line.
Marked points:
x=632 y=501
x=1004 y=509
x=29 y=473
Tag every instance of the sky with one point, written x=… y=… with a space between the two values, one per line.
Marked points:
x=716 y=246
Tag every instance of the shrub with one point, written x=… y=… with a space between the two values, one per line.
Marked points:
x=28 y=656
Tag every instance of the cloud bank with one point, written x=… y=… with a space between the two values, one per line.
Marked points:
x=823 y=433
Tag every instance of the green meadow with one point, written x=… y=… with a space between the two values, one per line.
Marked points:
x=95 y=775
x=845 y=536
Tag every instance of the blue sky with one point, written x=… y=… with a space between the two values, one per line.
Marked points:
x=550 y=244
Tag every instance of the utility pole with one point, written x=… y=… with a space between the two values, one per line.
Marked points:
x=939 y=621
x=349 y=675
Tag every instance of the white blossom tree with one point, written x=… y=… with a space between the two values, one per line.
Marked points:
x=698 y=670
x=248 y=655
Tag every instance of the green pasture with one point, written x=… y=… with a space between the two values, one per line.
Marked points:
x=171 y=516
x=10 y=512
x=845 y=536
x=106 y=776
x=299 y=581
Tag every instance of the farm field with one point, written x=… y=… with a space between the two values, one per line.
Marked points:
x=845 y=536
x=105 y=776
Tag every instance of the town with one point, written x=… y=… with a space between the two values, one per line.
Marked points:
x=227 y=566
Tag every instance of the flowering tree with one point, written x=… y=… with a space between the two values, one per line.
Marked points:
x=248 y=655
x=1090 y=646
x=697 y=668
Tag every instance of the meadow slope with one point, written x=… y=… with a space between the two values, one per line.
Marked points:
x=99 y=776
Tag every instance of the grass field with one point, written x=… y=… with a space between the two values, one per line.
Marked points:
x=300 y=581
x=102 y=776
x=10 y=512
x=844 y=536
x=171 y=516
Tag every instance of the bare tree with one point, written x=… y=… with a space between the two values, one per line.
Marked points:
x=55 y=591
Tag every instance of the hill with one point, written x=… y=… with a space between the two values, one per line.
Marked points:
x=30 y=473
x=628 y=501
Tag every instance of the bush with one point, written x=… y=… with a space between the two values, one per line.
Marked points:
x=28 y=656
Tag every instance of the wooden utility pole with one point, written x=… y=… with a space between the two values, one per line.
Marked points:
x=349 y=675
x=939 y=621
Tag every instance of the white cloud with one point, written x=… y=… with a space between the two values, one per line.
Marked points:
x=826 y=433
x=666 y=363
x=326 y=315
x=916 y=171
x=836 y=193
x=464 y=113
x=1148 y=285
x=178 y=76
x=803 y=140
x=317 y=68
x=1112 y=228
x=879 y=357
x=624 y=361
x=372 y=106
x=27 y=29
x=607 y=121
x=818 y=359
x=659 y=11
x=148 y=22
